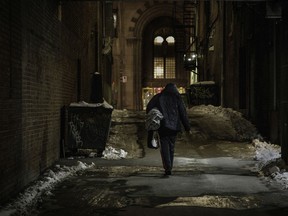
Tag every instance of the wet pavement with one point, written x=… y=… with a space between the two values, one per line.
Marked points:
x=210 y=177
x=215 y=186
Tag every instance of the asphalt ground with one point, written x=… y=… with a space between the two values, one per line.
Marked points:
x=214 y=174
x=211 y=178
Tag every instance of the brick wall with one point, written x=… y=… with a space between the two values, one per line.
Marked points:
x=40 y=59
x=10 y=96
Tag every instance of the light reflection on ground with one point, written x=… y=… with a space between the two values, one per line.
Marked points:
x=231 y=202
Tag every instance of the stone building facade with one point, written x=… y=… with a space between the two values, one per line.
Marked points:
x=133 y=53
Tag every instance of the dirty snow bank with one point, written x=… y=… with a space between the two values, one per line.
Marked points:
x=268 y=155
x=281 y=178
x=127 y=132
x=32 y=194
x=111 y=153
x=240 y=128
x=265 y=153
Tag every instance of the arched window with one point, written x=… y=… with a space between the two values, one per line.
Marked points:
x=158 y=40
x=164 y=56
x=170 y=40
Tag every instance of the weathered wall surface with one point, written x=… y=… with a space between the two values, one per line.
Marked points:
x=46 y=58
x=128 y=46
x=124 y=56
x=11 y=97
x=243 y=51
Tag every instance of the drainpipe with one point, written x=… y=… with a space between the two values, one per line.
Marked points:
x=274 y=65
x=99 y=38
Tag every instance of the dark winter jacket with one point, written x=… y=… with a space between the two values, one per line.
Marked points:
x=171 y=105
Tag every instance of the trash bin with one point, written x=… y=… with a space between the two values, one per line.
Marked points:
x=88 y=128
x=205 y=92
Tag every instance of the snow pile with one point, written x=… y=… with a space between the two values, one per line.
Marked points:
x=267 y=154
x=111 y=153
x=105 y=104
x=229 y=118
x=33 y=193
x=281 y=178
x=120 y=113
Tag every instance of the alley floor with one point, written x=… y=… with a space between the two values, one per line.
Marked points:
x=211 y=176
x=217 y=183
x=215 y=173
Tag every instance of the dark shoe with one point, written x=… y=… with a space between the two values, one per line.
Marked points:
x=168 y=173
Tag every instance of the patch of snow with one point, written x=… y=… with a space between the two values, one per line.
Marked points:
x=105 y=104
x=43 y=186
x=120 y=113
x=266 y=153
x=281 y=178
x=111 y=153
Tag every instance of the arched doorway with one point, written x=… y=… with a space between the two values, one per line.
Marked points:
x=162 y=62
x=130 y=56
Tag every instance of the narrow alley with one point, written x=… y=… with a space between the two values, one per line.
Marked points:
x=212 y=175
x=77 y=77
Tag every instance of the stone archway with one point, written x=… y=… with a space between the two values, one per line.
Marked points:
x=143 y=17
x=127 y=47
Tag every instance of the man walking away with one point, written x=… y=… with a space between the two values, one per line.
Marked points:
x=171 y=105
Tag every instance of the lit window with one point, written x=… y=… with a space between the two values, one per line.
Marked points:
x=170 y=40
x=158 y=68
x=158 y=40
x=164 y=58
x=170 y=68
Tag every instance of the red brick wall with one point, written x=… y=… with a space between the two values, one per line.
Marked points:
x=39 y=59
